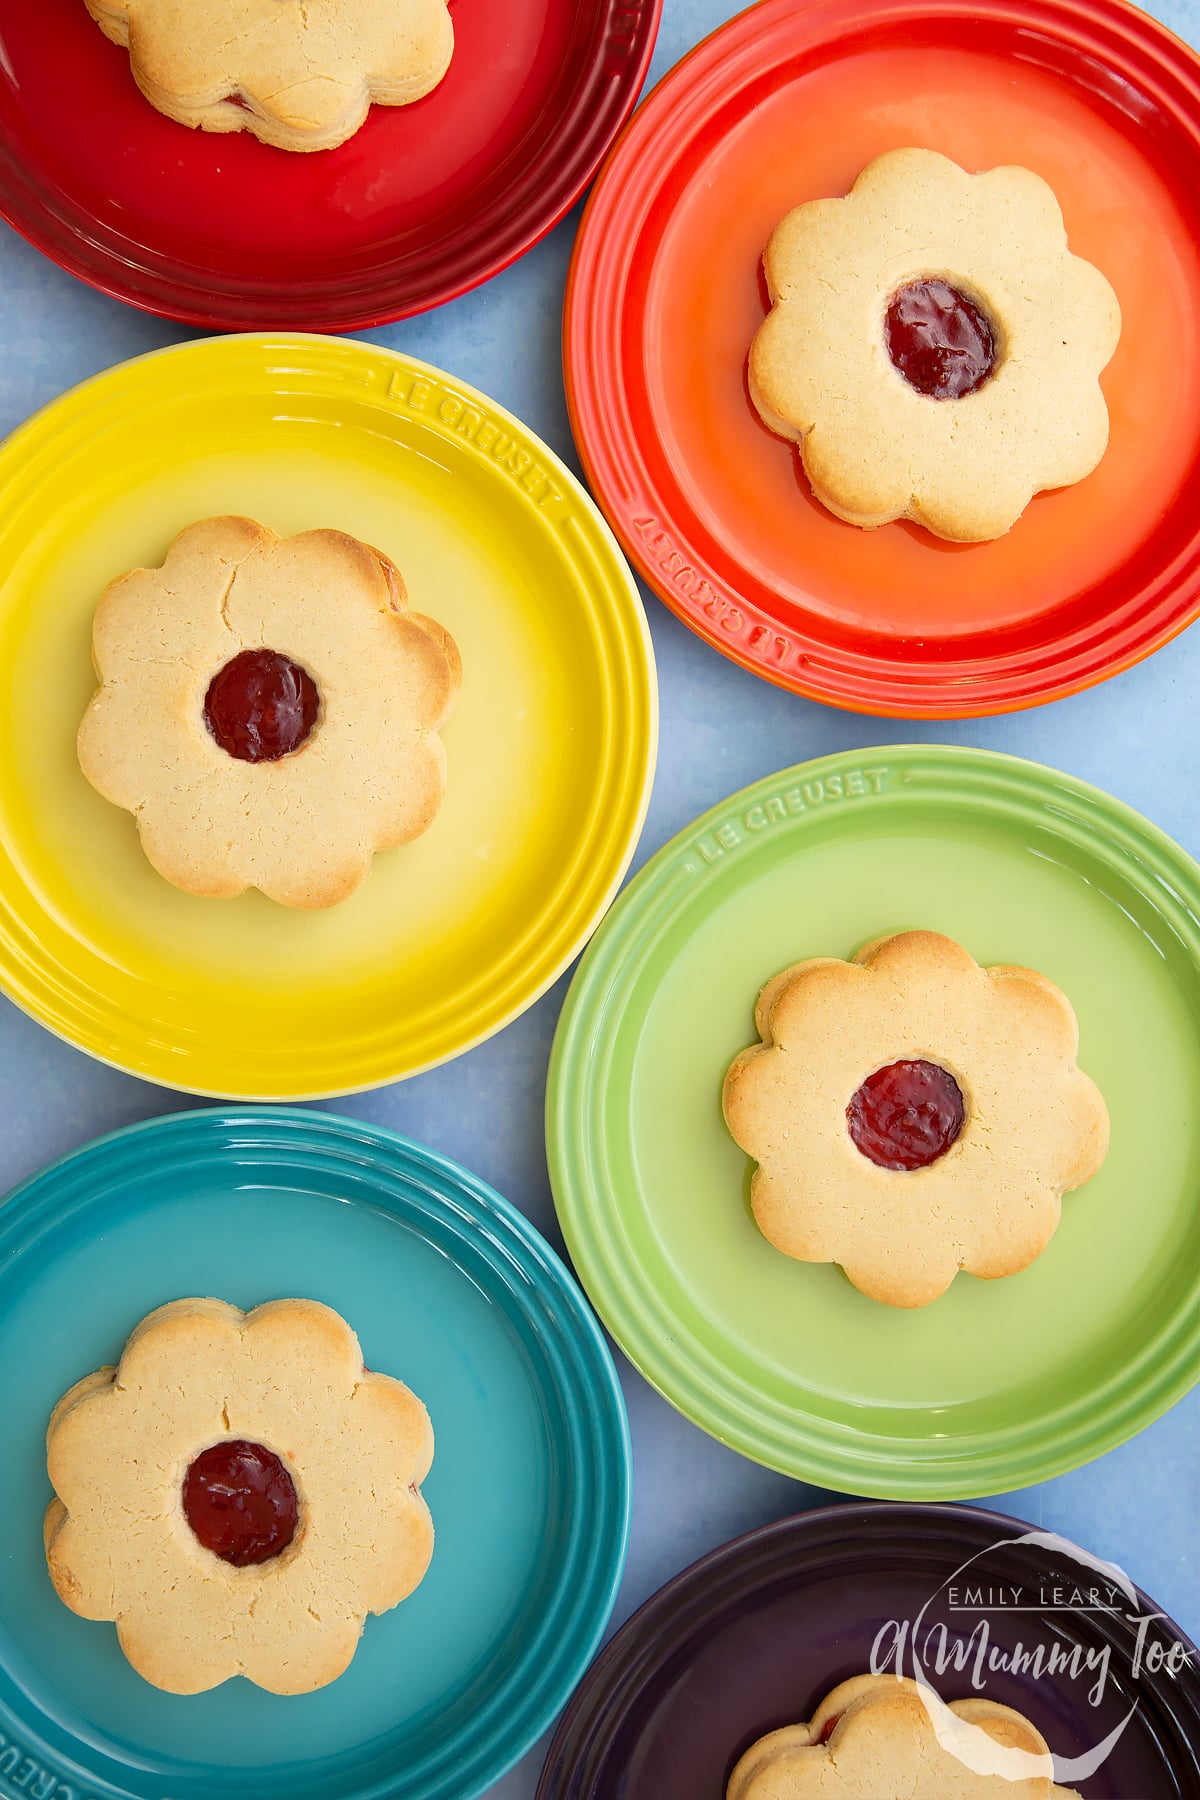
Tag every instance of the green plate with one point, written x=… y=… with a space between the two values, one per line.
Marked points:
x=998 y=1384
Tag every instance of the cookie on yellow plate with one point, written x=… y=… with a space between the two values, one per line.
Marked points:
x=268 y=711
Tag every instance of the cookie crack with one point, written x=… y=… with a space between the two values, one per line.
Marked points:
x=226 y=591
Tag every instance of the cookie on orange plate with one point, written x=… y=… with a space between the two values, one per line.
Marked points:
x=933 y=346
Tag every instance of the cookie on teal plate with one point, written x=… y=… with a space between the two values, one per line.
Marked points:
x=448 y=1287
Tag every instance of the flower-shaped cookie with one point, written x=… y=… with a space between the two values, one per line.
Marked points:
x=268 y=710
x=876 y=1735
x=913 y=1114
x=933 y=347
x=237 y=1494
x=299 y=74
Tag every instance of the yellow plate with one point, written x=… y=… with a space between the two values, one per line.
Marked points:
x=550 y=752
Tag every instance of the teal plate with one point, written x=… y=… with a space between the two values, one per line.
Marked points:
x=449 y=1288
x=997 y=1384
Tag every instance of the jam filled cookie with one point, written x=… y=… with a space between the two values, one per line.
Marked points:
x=268 y=710
x=299 y=74
x=913 y=1114
x=933 y=346
x=877 y=1735
x=237 y=1494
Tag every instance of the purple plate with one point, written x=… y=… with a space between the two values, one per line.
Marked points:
x=754 y=1635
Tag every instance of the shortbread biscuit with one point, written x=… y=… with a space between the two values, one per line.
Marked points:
x=1002 y=1121
x=878 y=1735
x=299 y=74
x=849 y=277
x=121 y=1448
x=379 y=680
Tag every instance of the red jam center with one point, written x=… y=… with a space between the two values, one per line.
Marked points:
x=829 y=1727
x=261 y=706
x=906 y=1115
x=939 y=340
x=241 y=1502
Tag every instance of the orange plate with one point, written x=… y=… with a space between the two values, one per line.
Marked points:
x=786 y=104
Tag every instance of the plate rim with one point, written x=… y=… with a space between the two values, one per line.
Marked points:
x=22 y=453
x=68 y=250
x=610 y=1679
x=689 y=1376
x=427 y=1174
x=667 y=556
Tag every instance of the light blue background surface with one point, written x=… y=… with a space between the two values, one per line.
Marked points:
x=1137 y=736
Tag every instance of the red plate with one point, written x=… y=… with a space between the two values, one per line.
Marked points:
x=787 y=103
x=424 y=202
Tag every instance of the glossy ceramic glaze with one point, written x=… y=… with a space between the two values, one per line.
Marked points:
x=222 y=231
x=550 y=750
x=757 y=1633
x=997 y=1384
x=786 y=104
x=441 y=1279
